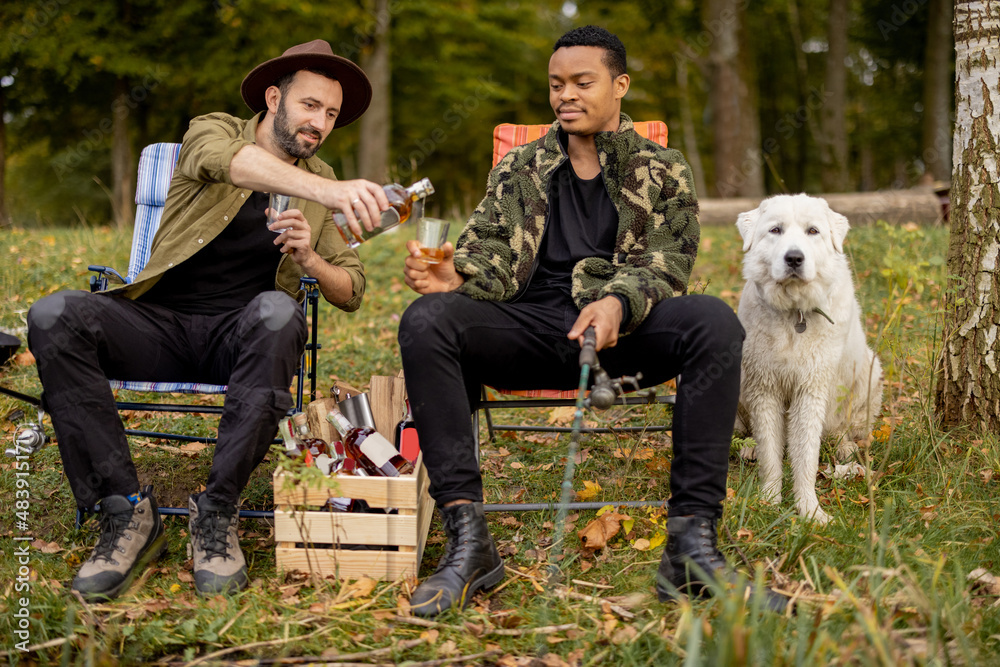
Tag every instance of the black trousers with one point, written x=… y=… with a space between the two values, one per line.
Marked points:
x=81 y=339
x=451 y=344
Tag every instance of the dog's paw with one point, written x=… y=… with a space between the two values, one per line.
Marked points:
x=846 y=449
x=814 y=513
x=748 y=453
x=771 y=493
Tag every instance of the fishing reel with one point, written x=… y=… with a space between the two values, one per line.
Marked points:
x=606 y=391
x=29 y=438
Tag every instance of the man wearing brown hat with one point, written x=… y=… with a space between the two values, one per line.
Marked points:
x=217 y=302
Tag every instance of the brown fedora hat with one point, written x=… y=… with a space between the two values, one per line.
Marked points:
x=316 y=54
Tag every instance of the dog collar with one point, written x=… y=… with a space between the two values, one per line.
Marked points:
x=800 y=326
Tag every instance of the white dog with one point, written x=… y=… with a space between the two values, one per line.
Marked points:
x=807 y=370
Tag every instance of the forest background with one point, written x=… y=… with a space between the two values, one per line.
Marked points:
x=762 y=96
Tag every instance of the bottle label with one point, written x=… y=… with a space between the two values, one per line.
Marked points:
x=390 y=218
x=378 y=449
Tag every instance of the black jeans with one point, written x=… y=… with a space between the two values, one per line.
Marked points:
x=451 y=344
x=81 y=339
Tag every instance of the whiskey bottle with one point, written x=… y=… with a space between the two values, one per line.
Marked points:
x=401 y=203
x=374 y=454
x=405 y=437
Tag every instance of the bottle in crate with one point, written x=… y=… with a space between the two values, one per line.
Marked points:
x=406 y=441
x=374 y=454
x=294 y=447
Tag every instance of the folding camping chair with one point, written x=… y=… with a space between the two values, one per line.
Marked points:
x=156 y=167
x=505 y=137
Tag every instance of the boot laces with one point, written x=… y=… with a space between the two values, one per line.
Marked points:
x=211 y=531
x=113 y=527
x=457 y=539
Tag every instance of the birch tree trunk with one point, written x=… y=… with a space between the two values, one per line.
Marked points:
x=968 y=389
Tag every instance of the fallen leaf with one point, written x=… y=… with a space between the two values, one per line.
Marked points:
x=985 y=581
x=562 y=416
x=641 y=544
x=24 y=359
x=744 y=534
x=986 y=475
x=589 y=492
x=516 y=465
x=595 y=535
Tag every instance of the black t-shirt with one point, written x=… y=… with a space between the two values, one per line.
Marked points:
x=582 y=223
x=229 y=272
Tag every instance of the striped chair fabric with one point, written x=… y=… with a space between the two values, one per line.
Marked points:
x=156 y=168
x=507 y=136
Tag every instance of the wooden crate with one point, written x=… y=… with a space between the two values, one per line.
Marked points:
x=308 y=539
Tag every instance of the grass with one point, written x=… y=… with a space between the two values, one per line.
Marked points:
x=885 y=583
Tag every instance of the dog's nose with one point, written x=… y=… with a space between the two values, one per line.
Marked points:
x=794 y=258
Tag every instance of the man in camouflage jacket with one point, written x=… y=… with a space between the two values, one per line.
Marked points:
x=657 y=239
x=590 y=226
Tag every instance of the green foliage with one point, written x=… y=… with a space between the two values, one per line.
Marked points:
x=458 y=69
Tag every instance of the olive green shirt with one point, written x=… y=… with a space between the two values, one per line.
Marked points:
x=202 y=200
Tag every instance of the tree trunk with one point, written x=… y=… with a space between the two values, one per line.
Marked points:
x=968 y=388
x=735 y=119
x=936 y=140
x=373 y=147
x=4 y=217
x=122 y=166
x=687 y=126
x=833 y=145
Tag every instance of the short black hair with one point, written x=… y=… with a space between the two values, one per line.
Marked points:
x=592 y=35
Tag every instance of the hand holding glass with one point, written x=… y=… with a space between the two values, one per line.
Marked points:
x=277 y=205
x=431 y=235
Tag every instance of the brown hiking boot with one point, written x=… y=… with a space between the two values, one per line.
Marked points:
x=131 y=538
x=219 y=566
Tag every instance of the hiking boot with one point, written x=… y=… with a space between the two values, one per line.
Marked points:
x=219 y=566
x=691 y=562
x=470 y=562
x=131 y=538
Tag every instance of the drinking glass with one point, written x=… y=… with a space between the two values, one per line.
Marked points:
x=431 y=235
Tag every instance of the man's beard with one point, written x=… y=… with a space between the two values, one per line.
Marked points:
x=287 y=138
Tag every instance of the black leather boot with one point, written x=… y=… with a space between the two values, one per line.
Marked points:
x=692 y=560
x=470 y=562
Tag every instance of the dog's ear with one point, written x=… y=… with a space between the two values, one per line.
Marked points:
x=746 y=222
x=838 y=229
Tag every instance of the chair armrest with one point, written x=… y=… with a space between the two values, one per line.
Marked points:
x=100 y=282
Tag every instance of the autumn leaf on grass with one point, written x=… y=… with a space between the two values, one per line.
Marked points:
x=597 y=533
x=590 y=491
x=24 y=359
x=882 y=433
x=562 y=416
x=641 y=544
x=638 y=455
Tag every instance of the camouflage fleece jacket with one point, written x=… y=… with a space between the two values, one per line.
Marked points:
x=650 y=186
